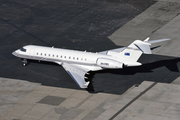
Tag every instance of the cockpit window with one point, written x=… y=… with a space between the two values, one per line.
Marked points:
x=22 y=49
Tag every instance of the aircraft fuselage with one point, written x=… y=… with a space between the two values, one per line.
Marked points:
x=57 y=55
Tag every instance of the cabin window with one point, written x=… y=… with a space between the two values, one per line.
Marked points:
x=73 y=57
x=85 y=59
x=57 y=56
x=69 y=57
x=37 y=53
x=64 y=56
x=41 y=53
x=49 y=55
x=53 y=55
x=77 y=58
x=23 y=50
x=61 y=56
x=81 y=58
x=44 y=54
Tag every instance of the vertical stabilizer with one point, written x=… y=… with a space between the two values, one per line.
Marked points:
x=134 y=51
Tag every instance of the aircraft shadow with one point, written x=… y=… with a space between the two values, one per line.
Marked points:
x=148 y=67
x=113 y=81
x=159 y=71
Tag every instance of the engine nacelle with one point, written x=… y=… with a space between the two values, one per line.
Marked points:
x=109 y=63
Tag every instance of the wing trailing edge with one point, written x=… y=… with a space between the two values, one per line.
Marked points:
x=77 y=73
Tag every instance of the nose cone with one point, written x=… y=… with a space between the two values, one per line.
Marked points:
x=15 y=53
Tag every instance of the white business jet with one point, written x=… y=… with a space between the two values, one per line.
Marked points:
x=79 y=63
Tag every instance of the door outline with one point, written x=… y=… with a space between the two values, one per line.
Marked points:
x=31 y=53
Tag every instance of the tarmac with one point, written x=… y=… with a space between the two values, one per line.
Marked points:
x=151 y=91
x=150 y=100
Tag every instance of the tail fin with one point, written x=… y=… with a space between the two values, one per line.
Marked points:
x=135 y=49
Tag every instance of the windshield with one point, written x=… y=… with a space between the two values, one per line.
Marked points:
x=22 y=49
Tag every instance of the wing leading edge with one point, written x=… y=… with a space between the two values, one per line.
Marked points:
x=77 y=73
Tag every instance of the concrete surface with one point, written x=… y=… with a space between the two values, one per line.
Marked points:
x=159 y=103
x=11 y=91
x=77 y=104
x=176 y=81
x=170 y=30
x=149 y=100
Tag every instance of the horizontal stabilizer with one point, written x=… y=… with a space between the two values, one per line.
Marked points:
x=156 y=41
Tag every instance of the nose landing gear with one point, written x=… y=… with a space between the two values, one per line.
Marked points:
x=24 y=62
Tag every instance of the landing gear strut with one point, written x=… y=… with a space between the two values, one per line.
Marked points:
x=24 y=62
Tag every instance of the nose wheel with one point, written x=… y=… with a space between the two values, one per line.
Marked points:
x=24 y=62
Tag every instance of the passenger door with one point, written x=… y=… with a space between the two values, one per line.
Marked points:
x=31 y=54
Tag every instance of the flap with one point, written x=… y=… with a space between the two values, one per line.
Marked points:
x=77 y=73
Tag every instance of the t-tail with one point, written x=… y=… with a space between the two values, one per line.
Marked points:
x=132 y=53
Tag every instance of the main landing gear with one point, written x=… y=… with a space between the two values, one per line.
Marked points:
x=24 y=62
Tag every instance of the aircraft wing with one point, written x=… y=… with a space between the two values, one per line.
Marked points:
x=77 y=73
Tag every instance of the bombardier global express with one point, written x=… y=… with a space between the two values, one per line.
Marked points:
x=79 y=63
